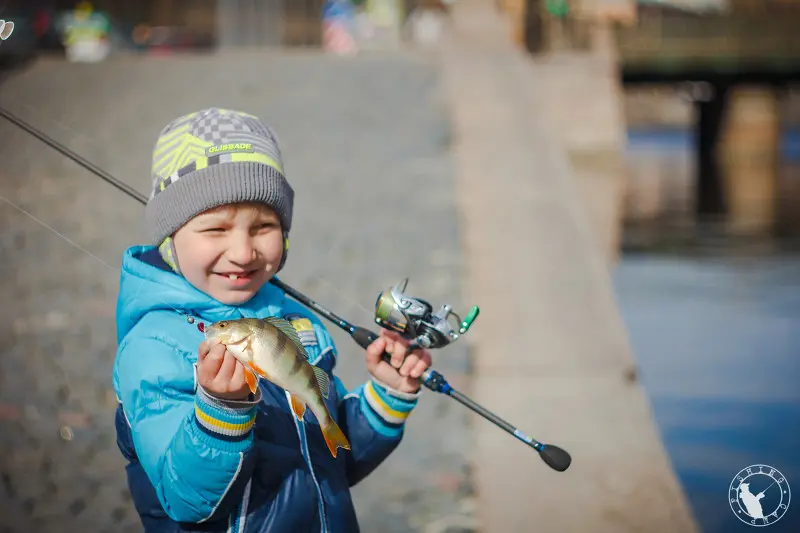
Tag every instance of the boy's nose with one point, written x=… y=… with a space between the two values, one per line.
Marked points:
x=242 y=251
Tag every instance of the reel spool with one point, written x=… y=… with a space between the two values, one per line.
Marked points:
x=414 y=319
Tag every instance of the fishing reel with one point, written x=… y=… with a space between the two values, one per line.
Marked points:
x=414 y=319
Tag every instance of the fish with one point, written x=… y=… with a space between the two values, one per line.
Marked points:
x=270 y=348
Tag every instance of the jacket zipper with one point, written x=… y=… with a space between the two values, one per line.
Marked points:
x=239 y=517
x=301 y=432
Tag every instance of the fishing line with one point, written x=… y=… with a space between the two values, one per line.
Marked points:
x=70 y=154
x=43 y=223
x=81 y=248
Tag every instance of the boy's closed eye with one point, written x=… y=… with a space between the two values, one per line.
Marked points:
x=258 y=227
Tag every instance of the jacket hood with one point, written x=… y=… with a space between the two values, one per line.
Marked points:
x=147 y=284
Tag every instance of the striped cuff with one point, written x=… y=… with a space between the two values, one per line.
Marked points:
x=386 y=409
x=220 y=422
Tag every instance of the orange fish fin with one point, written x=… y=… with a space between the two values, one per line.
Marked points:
x=252 y=380
x=257 y=370
x=298 y=407
x=334 y=438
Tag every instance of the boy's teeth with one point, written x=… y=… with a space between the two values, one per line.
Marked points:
x=233 y=276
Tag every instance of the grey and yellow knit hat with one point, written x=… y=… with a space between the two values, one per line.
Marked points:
x=210 y=158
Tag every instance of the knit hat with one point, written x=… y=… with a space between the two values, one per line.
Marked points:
x=210 y=158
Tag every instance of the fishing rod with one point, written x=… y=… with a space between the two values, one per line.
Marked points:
x=413 y=318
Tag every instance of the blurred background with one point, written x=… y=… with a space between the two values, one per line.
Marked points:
x=679 y=121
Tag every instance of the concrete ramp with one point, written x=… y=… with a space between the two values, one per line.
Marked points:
x=552 y=355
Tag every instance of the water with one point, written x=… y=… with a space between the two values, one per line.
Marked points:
x=681 y=140
x=718 y=344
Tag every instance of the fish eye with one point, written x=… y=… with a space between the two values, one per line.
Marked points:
x=222 y=324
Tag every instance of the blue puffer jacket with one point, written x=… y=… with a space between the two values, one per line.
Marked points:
x=198 y=464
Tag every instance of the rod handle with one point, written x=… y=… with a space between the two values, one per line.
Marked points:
x=556 y=458
x=365 y=337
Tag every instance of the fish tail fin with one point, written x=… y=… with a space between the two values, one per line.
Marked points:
x=334 y=437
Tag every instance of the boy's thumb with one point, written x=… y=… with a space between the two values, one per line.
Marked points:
x=202 y=351
x=376 y=347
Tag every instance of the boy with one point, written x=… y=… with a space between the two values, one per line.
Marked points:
x=204 y=453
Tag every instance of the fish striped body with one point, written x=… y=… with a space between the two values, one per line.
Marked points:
x=270 y=348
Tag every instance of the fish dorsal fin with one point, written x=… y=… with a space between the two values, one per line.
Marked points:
x=287 y=329
x=323 y=381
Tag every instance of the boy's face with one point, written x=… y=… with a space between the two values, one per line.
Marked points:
x=231 y=251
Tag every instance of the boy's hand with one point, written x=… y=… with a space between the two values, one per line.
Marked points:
x=401 y=375
x=220 y=373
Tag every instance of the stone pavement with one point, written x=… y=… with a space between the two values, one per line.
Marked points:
x=366 y=143
x=551 y=354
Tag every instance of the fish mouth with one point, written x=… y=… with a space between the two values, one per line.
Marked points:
x=225 y=338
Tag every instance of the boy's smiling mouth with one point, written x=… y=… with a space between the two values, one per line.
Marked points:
x=239 y=277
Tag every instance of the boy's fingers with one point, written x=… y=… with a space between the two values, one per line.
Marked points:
x=209 y=366
x=374 y=352
x=393 y=335
x=409 y=364
x=202 y=351
x=397 y=346
x=398 y=352
x=218 y=353
x=227 y=369
x=422 y=365
x=216 y=346
x=238 y=380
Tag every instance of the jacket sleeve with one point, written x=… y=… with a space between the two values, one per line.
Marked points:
x=192 y=446
x=374 y=417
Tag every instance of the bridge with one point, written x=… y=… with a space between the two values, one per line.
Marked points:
x=760 y=45
x=738 y=63
x=733 y=56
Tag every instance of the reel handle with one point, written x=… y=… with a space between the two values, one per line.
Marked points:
x=467 y=322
